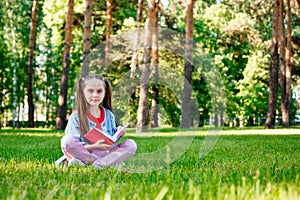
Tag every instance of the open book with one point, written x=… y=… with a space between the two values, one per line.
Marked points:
x=96 y=134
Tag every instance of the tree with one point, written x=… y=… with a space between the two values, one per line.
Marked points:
x=235 y=34
x=188 y=67
x=281 y=35
x=142 y=113
x=3 y=64
x=286 y=69
x=30 y=64
x=50 y=85
x=134 y=64
x=109 y=17
x=16 y=33
x=62 y=100
x=253 y=88
x=155 y=57
x=87 y=37
x=139 y=15
x=273 y=87
x=134 y=60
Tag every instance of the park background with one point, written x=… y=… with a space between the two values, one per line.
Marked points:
x=242 y=40
x=44 y=43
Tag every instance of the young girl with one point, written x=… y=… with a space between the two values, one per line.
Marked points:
x=92 y=91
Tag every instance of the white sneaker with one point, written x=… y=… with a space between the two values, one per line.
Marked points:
x=61 y=161
x=76 y=162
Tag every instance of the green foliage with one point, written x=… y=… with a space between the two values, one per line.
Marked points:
x=238 y=167
x=255 y=83
x=126 y=99
x=202 y=94
x=230 y=35
x=169 y=106
x=235 y=34
x=16 y=25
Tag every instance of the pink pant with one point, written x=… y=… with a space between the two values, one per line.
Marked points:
x=71 y=147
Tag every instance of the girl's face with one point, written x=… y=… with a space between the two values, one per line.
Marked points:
x=94 y=91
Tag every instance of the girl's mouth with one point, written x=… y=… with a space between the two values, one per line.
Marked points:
x=95 y=100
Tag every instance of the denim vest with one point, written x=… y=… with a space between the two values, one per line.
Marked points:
x=108 y=125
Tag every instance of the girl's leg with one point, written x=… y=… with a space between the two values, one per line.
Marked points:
x=73 y=148
x=117 y=154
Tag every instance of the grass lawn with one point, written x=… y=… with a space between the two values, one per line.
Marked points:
x=239 y=166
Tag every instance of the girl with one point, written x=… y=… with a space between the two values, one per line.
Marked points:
x=92 y=91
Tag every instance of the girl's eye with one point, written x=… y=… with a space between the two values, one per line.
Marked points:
x=98 y=91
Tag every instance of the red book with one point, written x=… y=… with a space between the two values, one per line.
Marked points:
x=96 y=134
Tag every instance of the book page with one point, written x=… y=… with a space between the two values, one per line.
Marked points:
x=119 y=133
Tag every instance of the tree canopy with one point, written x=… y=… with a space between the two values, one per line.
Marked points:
x=235 y=37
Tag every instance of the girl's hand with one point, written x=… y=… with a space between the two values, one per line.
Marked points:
x=99 y=145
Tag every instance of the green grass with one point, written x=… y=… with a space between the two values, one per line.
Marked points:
x=238 y=167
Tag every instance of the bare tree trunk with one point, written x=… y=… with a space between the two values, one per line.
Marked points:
x=139 y=15
x=30 y=64
x=62 y=100
x=273 y=88
x=142 y=114
x=288 y=69
x=284 y=111
x=188 y=68
x=143 y=109
x=135 y=60
x=49 y=90
x=109 y=16
x=155 y=57
x=14 y=49
x=87 y=37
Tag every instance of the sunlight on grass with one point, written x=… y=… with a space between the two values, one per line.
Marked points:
x=207 y=131
x=37 y=132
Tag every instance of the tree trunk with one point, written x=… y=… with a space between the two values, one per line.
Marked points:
x=284 y=111
x=14 y=50
x=143 y=109
x=109 y=16
x=139 y=15
x=154 y=104
x=188 y=68
x=87 y=37
x=273 y=87
x=62 y=100
x=142 y=114
x=288 y=69
x=49 y=90
x=135 y=61
x=30 y=64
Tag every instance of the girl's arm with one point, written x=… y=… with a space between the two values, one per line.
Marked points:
x=72 y=127
x=99 y=145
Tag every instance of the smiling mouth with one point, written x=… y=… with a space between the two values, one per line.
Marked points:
x=95 y=100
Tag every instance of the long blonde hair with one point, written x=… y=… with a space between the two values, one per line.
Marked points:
x=82 y=104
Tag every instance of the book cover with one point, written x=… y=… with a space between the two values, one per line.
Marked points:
x=96 y=134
